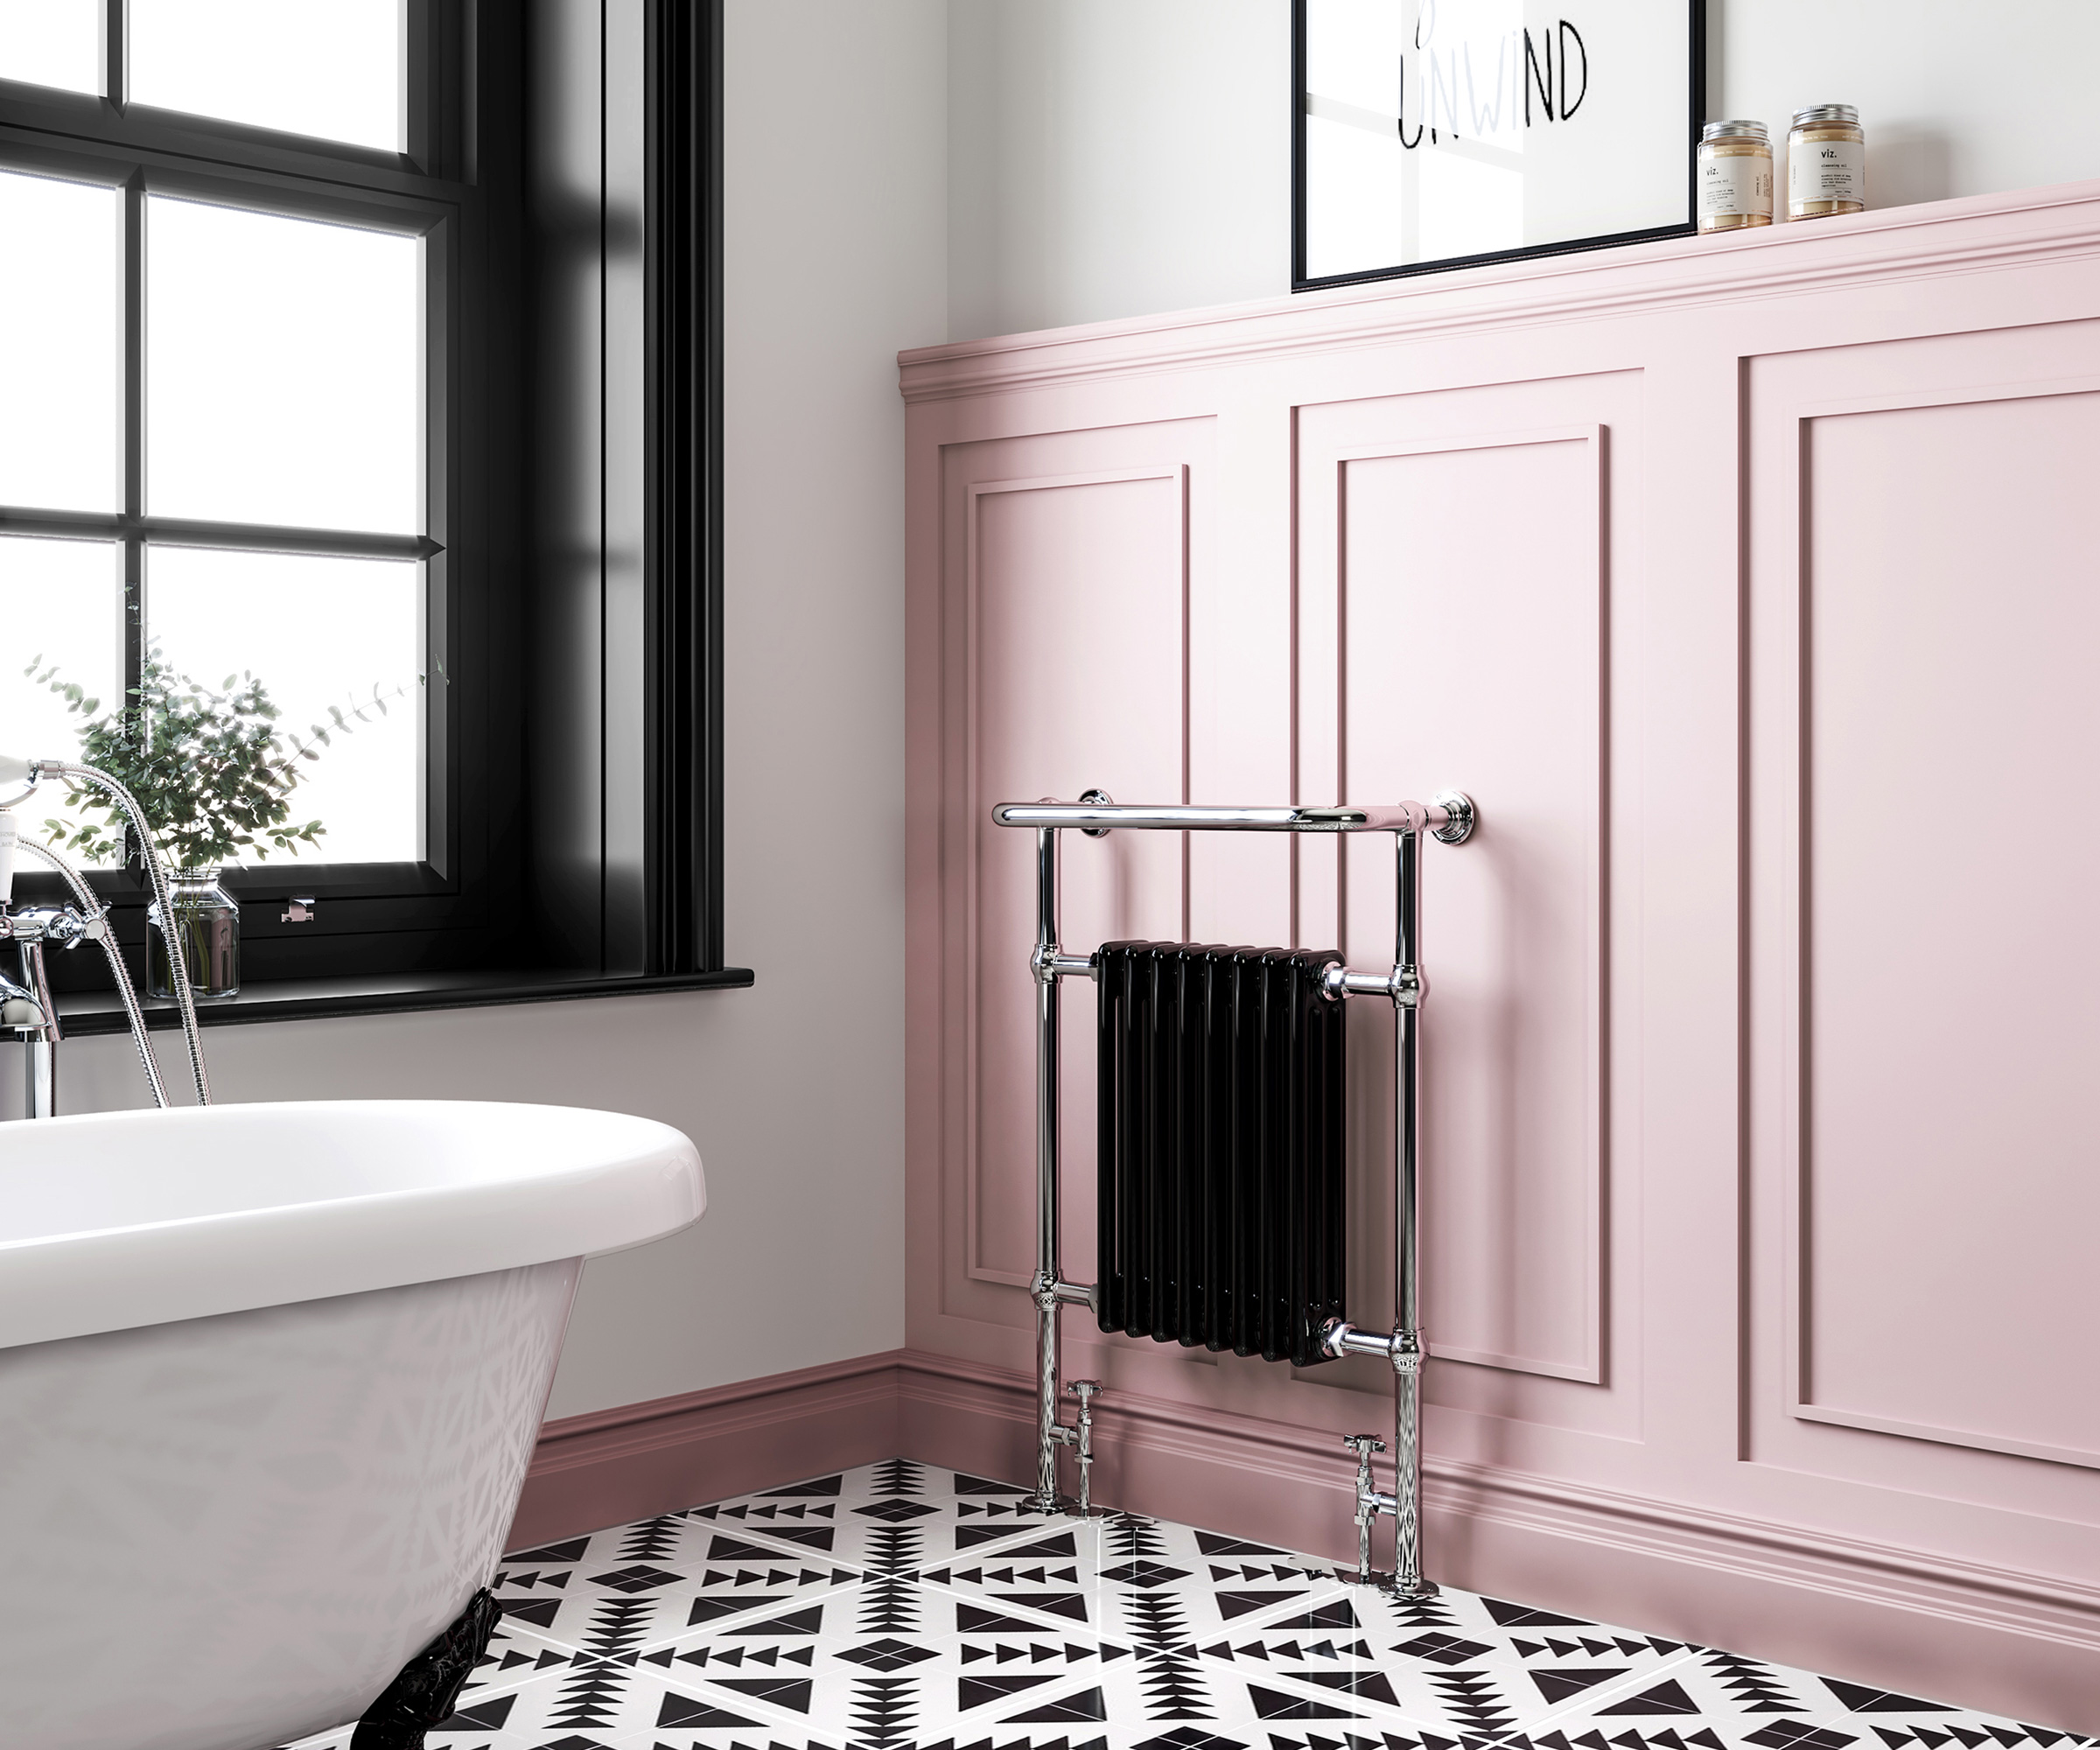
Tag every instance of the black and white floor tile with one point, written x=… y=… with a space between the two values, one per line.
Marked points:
x=902 y=1607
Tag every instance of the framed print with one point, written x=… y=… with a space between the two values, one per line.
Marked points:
x=1439 y=133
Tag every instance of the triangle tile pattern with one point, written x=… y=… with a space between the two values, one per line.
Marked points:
x=670 y=1573
x=899 y=1607
x=881 y=1518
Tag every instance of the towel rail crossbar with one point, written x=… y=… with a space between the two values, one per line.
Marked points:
x=1449 y=817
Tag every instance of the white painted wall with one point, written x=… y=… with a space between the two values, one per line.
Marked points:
x=1956 y=99
x=1108 y=157
x=836 y=226
x=1118 y=157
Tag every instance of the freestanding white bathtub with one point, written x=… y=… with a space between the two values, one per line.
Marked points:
x=269 y=1379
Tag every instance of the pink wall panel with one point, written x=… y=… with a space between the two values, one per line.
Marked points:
x=1951 y=1128
x=1749 y=586
x=1064 y=612
x=1923 y=600
x=1492 y=547
x=1457 y=546
x=1076 y=586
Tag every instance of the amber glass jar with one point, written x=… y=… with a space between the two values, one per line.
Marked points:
x=1735 y=175
x=1826 y=162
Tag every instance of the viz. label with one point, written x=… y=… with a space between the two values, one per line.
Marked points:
x=1735 y=185
x=1827 y=170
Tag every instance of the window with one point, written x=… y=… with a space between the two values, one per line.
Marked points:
x=240 y=489
x=284 y=311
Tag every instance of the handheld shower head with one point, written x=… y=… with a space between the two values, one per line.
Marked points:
x=18 y=779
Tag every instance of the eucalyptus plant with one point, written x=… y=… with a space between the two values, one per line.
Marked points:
x=212 y=771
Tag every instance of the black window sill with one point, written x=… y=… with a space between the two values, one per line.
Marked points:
x=85 y=1012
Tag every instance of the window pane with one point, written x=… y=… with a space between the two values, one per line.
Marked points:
x=52 y=42
x=64 y=599
x=283 y=370
x=58 y=306
x=316 y=632
x=330 y=70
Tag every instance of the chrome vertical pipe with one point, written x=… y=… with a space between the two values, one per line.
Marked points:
x=1407 y=1353
x=1044 y=1288
x=40 y=1076
x=39 y=1045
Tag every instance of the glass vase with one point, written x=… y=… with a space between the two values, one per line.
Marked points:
x=210 y=924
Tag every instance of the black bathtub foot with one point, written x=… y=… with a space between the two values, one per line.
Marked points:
x=428 y=1688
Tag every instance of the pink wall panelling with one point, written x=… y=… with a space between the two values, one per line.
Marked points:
x=1456 y=545
x=1089 y=580
x=1748 y=584
x=1924 y=603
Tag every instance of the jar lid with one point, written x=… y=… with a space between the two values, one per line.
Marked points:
x=1734 y=130
x=1826 y=112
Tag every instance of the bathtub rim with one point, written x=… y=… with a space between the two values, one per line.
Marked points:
x=620 y=1181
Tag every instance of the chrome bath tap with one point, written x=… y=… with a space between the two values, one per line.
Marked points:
x=26 y=1007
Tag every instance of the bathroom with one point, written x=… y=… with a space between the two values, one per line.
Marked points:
x=907 y=174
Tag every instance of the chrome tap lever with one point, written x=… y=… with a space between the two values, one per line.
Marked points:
x=1085 y=1391
x=1366 y=1501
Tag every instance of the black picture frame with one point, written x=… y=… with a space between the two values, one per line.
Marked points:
x=1300 y=281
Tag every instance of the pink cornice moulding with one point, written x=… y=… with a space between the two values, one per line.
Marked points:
x=2055 y=223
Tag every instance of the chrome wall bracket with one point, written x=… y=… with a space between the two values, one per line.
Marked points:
x=1460 y=817
x=1451 y=819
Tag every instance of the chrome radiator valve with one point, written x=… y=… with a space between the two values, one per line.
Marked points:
x=1085 y=1390
x=1367 y=1504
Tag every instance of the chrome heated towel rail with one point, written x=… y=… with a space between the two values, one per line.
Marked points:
x=1450 y=819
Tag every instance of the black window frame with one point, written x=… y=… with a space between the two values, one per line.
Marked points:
x=479 y=919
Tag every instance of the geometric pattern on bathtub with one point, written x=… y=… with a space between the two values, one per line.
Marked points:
x=899 y=1607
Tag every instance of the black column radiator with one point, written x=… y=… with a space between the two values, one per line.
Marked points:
x=1221 y=1148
